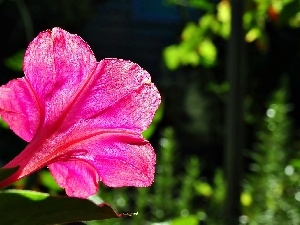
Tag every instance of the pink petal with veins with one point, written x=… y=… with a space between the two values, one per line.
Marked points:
x=19 y=108
x=77 y=177
x=84 y=119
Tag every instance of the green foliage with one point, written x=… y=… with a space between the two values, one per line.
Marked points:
x=190 y=220
x=272 y=187
x=15 y=61
x=35 y=208
x=3 y=124
x=197 y=45
x=270 y=194
x=200 y=4
x=48 y=181
x=164 y=181
x=194 y=49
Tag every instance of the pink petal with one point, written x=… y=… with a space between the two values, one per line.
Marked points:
x=121 y=158
x=118 y=159
x=83 y=118
x=119 y=95
x=77 y=177
x=126 y=164
x=18 y=107
x=57 y=64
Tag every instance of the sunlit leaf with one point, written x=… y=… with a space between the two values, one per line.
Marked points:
x=190 y=58
x=21 y=207
x=246 y=199
x=189 y=220
x=189 y=31
x=223 y=14
x=171 y=57
x=208 y=52
x=207 y=21
x=203 y=189
x=253 y=34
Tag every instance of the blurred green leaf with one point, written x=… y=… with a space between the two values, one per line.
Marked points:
x=3 y=124
x=15 y=62
x=22 y=207
x=219 y=187
x=296 y=163
x=222 y=88
x=171 y=57
x=246 y=199
x=223 y=16
x=48 y=181
x=204 y=189
x=200 y=4
x=290 y=10
x=189 y=220
x=224 y=11
x=189 y=31
x=206 y=22
x=253 y=34
x=6 y=172
x=189 y=56
x=208 y=52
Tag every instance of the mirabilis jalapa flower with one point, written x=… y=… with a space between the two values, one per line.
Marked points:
x=82 y=118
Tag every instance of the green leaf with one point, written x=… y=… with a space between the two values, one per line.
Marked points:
x=3 y=124
x=202 y=4
x=15 y=61
x=203 y=189
x=171 y=56
x=295 y=163
x=289 y=11
x=189 y=31
x=48 y=181
x=22 y=207
x=208 y=52
x=190 y=220
x=6 y=172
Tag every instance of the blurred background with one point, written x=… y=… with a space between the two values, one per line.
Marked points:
x=227 y=133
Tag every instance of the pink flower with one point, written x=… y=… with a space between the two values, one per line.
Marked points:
x=82 y=118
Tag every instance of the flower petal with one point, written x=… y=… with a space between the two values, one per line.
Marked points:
x=118 y=159
x=124 y=160
x=78 y=178
x=120 y=95
x=19 y=108
x=83 y=118
x=57 y=64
